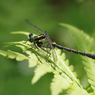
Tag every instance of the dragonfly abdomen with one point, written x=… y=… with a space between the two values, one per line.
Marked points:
x=75 y=51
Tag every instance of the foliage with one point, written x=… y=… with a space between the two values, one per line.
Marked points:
x=65 y=78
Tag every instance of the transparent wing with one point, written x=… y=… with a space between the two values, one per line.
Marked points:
x=52 y=48
x=33 y=26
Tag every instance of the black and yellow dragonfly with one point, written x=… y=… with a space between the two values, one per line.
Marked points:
x=41 y=40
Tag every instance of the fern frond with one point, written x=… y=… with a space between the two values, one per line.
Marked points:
x=64 y=66
x=64 y=74
x=65 y=77
x=58 y=84
x=75 y=90
x=41 y=70
x=20 y=32
x=85 y=43
x=13 y=55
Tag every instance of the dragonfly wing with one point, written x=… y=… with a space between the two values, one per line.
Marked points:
x=33 y=26
x=52 y=48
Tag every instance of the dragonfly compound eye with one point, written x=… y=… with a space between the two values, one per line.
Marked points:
x=31 y=37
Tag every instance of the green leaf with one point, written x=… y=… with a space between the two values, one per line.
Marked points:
x=20 y=32
x=64 y=75
x=32 y=59
x=3 y=53
x=58 y=84
x=14 y=43
x=13 y=55
x=75 y=90
x=63 y=64
x=40 y=70
x=18 y=56
x=87 y=44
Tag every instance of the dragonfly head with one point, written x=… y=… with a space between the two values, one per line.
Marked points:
x=31 y=37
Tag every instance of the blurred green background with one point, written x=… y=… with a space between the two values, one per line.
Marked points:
x=15 y=77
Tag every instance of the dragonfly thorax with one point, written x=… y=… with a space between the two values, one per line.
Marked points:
x=40 y=37
x=32 y=38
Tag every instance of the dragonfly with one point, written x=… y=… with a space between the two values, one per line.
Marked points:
x=41 y=41
x=43 y=38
